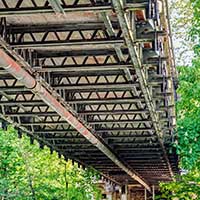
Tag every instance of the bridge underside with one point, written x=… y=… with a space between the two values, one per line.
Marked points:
x=110 y=65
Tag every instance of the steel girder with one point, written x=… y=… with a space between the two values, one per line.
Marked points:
x=44 y=6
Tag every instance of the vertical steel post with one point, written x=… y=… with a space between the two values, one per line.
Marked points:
x=153 y=192
x=124 y=194
x=145 y=194
x=109 y=196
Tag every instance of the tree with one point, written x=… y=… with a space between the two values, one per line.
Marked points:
x=187 y=186
x=27 y=172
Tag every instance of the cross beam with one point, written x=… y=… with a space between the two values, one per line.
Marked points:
x=76 y=7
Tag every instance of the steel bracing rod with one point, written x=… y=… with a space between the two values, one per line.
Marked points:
x=66 y=27
x=136 y=136
x=126 y=150
x=82 y=88
x=79 y=87
x=38 y=44
x=86 y=143
x=90 y=52
x=66 y=68
x=139 y=157
x=130 y=42
x=103 y=163
x=83 y=101
x=75 y=101
x=65 y=112
x=129 y=158
x=86 y=112
x=56 y=5
x=96 y=155
x=92 y=122
x=111 y=33
x=67 y=8
x=103 y=130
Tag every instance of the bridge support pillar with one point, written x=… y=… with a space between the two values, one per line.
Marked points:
x=124 y=193
x=153 y=192
x=109 y=196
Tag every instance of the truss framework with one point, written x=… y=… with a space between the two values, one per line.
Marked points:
x=111 y=70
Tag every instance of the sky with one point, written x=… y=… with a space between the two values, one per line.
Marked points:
x=180 y=18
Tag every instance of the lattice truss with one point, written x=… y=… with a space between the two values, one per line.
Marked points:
x=84 y=56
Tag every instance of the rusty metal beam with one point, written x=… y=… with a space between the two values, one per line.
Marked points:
x=114 y=137
x=141 y=121
x=39 y=44
x=79 y=87
x=75 y=101
x=108 y=67
x=113 y=130
x=86 y=112
x=65 y=112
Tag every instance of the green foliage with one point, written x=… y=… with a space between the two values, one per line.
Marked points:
x=188 y=107
x=195 y=33
x=26 y=172
x=187 y=187
x=188 y=112
x=195 y=30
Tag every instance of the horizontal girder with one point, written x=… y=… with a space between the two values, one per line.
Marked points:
x=44 y=7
